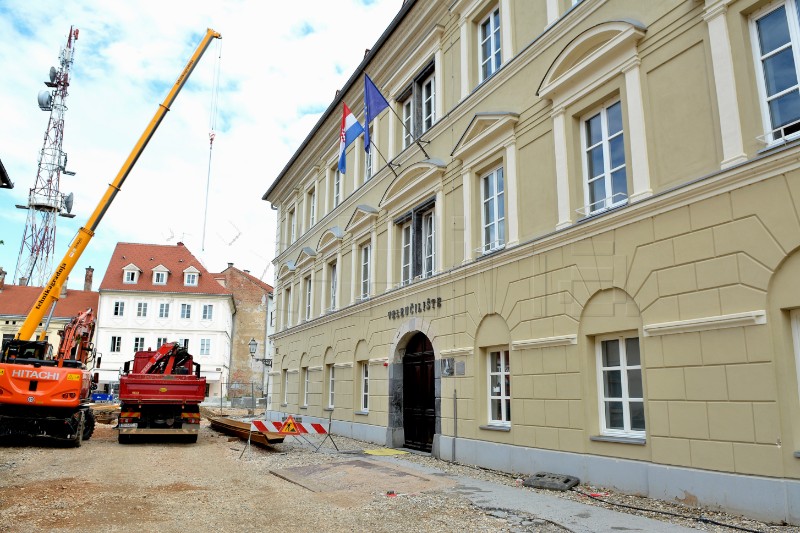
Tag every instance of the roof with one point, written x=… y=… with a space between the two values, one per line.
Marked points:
x=175 y=258
x=266 y=286
x=17 y=300
x=355 y=77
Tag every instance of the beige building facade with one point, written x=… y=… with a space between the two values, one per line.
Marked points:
x=581 y=257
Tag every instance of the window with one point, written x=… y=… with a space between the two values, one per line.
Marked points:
x=499 y=388
x=285 y=387
x=368 y=160
x=190 y=279
x=418 y=103
x=776 y=40
x=186 y=310
x=141 y=309
x=184 y=343
x=307 y=282
x=116 y=344
x=489 y=44
x=208 y=311
x=331 y=383
x=606 y=182
x=119 y=308
x=494 y=211
x=365 y=268
x=365 y=386
x=130 y=276
x=795 y=316
x=160 y=342
x=291 y=223
x=305 y=386
x=332 y=287
x=312 y=206
x=418 y=244
x=288 y=307
x=619 y=373
x=205 y=346
x=163 y=310
x=138 y=344
x=337 y=187
x=406 y=270
x=160 y=278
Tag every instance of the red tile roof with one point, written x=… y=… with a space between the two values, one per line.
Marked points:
x=266 y=286
x=16 y=300
x=176 y=258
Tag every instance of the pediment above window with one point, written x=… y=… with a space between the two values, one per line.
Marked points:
x=484 y=134
x=191 y=270
x=330 y=239
x=132 y=266
x=413 y=184
x=363 y=217
x=160 y=268
x=286 y=269
x=306 y=256
x=594 y=56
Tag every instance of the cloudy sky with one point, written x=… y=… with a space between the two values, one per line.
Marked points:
x=279 y=64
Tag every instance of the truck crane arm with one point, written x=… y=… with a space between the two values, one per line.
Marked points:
x=52 y=289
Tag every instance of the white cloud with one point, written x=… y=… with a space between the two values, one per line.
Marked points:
x=281 y=65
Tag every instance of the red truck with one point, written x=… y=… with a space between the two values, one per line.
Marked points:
x=161 y=394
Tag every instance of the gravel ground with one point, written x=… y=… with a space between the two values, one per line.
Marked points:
x=220 y=485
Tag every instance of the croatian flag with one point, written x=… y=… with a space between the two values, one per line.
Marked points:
x=351 y=129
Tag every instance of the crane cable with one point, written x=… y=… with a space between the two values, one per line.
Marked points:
x=212 y=133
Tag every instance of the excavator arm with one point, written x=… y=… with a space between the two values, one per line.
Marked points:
x=49 y=295
x=76 y=338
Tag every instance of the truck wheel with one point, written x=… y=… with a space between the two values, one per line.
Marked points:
x=88 y=428
x=78 y=439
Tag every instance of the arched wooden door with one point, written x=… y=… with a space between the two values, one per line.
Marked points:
x=419 y=400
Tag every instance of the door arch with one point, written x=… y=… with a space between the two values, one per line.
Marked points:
x=419 y=394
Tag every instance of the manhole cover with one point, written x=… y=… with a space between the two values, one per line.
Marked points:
x=546 y=480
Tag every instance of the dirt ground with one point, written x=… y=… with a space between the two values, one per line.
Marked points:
x=209 y=486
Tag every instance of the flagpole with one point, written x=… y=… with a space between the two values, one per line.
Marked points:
x=391 y=167
x=402 y=123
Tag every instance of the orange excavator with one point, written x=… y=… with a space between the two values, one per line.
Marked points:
x=42 y=395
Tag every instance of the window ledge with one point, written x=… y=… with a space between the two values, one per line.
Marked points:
x=303 y=407
x=496 y=428
x=362 y=413
x=284 y=405
x=327 y=409
x=620 y=440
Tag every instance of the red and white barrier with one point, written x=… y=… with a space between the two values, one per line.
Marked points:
x=287 y=427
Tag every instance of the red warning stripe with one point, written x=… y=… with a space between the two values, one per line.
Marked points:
x=288 y=427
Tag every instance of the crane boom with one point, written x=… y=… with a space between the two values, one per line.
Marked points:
x=52 y=289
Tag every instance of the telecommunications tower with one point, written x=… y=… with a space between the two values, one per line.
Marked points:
x=45 y=200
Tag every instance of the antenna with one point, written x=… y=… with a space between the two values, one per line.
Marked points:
x=45 y=200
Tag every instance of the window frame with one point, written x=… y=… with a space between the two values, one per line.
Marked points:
x=308 y=290
x=311 y=198
x=190 y=279
x=604 y=144
x=406 y=253
x=160 y=341
x=141 y=309
x=365 y=254
x=336 y=189
x=138 y=344
x=331 y=385
x=794 y=316
x=504 y=381
x=186 y=311
x=130 y=277
x=494 y=35
x=369 y=159
x=163 y=310
x=119 y=308
x=116 y=344
x=498 y=222
x=306 y=383
x=159 y=277
x=208 y=312
x=285 y=386
x=417 y=246
x=364 y=387
x=205 y=346
x=333 y=274
x=792 y=18
x=421 y=91
x=625 y=399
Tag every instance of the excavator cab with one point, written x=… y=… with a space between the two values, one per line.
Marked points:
x=27 y=352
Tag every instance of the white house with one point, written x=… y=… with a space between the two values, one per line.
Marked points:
x=152 y=294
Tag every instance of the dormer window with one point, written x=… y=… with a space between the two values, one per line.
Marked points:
x=130 y=274
x=190 y=277
x=159 y=278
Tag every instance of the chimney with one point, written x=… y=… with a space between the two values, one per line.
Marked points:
x=230 y=265
x=87 y=281
x=63 y=289
x=2 y=278
x=23 y=281
x=246 y=271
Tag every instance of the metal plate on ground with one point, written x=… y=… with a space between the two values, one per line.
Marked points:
x=546 y=480
x=347 y=483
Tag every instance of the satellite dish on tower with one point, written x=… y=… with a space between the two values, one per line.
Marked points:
x=53 y=74
x=68 y=200
x=45 y=101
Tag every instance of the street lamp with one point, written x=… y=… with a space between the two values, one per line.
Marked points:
x=253 y=346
